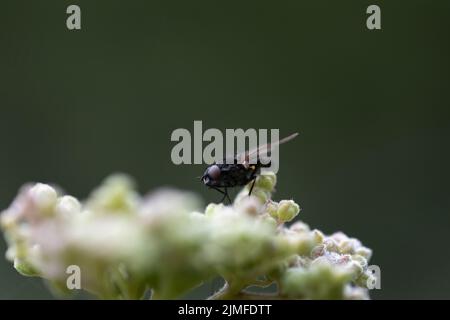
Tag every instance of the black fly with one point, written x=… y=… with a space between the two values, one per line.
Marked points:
x=240 y=171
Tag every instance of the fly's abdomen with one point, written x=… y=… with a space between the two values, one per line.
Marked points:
x=234 y=175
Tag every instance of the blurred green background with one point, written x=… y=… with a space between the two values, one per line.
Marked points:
x=372 y=108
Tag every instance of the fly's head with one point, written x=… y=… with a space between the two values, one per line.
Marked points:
x=211 y=176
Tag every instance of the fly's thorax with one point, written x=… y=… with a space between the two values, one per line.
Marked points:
x=229 y=175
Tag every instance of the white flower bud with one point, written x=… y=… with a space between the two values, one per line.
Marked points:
x=349 y=245
x=299 y=226
x=365 y=252
x=361 y=260
x=331 y=245
x=67 y=206
x=249 y=205
x=43 y=196
x=355 y=293
x=355 y=268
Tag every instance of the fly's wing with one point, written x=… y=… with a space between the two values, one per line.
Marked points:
x=253 y=155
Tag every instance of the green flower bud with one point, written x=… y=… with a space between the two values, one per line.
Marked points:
x=303 y=243
x=331 y=245
x=355 y=269
x=262 y=195
x=266 y=181
x=287 y=210
x=318 y=236
x=25 y=268
x=269 y=220
x=272 y=209
x=116 y=194
x=321 y=281
x=7 y=221
x=345 y=246
x=365 y=278
x=361 y=260
x=213 y=208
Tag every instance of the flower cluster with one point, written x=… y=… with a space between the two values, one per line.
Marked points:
x=126 y=244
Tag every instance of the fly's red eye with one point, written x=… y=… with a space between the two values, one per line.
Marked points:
x=214 y=172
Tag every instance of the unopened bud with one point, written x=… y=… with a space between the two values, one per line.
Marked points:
x=287 y=210
x=44 y=196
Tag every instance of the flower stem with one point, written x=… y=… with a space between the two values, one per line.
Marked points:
x=226 y=293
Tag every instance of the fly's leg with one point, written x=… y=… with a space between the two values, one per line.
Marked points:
x=225 y=193
x=221 y=191
x=251 y=188
x=254 y=180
